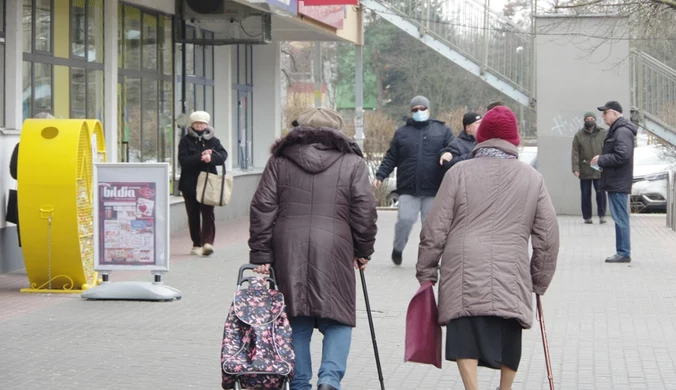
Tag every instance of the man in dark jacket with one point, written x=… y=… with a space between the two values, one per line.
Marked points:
x=587 y=143
x=617 y=175
x=313 y=218
x=414 y=151
x=461 y=147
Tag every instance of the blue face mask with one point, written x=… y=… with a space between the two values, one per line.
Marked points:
x=421 y=116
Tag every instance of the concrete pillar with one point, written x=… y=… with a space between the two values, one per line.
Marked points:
x=110 y=80
x=223 y=99
x=267 y=108
x=574 y=76
x=14 y=66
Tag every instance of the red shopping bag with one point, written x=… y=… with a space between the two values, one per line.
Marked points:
x=423 y=333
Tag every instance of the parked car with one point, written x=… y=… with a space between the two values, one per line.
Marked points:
x=529 y=155
x=651 y=166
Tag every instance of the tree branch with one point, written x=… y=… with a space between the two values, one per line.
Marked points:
x=578 y=5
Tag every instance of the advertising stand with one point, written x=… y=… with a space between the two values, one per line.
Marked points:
x=131 y=229
x=55 y=203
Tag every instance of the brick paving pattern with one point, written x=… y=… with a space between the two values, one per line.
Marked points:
x=609 y=326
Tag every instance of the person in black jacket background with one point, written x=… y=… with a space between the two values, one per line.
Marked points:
x=461 y=147
x=199 y=151
x=414 y=151
x=616 y=162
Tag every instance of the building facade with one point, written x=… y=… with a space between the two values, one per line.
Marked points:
x=128 y=64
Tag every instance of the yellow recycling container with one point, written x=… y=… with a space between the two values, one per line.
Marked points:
x=55 y=203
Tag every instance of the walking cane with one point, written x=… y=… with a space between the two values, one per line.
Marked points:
x=545 y=345
x=373 y=331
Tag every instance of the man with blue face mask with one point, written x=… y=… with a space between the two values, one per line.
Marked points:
x=414 y=151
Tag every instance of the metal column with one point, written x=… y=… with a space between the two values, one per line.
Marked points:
x=359 y=96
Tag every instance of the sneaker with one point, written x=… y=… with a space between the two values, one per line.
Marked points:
x=588 y=221
x=396 y=257
x=602 y=220
x=616 y=258
x=196 y=251
x=325 y=386
x=208 y=249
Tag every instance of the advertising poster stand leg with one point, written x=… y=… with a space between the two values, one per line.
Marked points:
x=133 y=290
x=131 y=230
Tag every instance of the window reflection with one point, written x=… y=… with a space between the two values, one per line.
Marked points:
x=77 y=29
x=27 y=21
x=27 y=90
x=150 y=124
x=95 y=104
x=42 y=90
x=132 y=38
x=149 y=42
x=132 y=117
x=78 y=93
x=43 y=25
x=95 y=23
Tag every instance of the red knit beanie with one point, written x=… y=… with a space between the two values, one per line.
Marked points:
x=500 y=122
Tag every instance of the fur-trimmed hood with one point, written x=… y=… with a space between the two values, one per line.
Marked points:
x=207 y=135
x=314 y=150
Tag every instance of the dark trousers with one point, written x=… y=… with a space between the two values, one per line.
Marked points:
x=201 y=221
x=601 y=200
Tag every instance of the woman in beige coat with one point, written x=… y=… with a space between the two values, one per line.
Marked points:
x=479 y=226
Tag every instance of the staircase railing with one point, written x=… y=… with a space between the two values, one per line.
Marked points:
x=654 y=89
x=499 y=46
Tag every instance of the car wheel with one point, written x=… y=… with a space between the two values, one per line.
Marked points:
x=393 y=200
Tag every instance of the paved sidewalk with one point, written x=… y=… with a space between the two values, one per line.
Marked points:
x=609 y=326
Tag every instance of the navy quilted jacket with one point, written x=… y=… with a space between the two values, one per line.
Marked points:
x=414 y=151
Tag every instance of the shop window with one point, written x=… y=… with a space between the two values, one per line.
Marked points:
x=146 y=88
x=149 y=42
x=2 y=83
x=78 y=93
x=132 y=38
x=151 y=128
x=199 y=78
x=43 y=25
x=63 y=58
x=86 y=30
x=242 y=138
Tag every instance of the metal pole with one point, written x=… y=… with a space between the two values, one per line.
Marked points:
x=484 y=48
x=533 y=60
x=359 y=96
x=317 y=70
x=545 y=344
x=373 y=331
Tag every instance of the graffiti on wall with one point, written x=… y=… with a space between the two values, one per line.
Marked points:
x=567 y=125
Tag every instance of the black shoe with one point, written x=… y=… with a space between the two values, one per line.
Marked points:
x=602 y=220
x=324 y=386
x=396 y=257
x=588 y=221
x=618 y=259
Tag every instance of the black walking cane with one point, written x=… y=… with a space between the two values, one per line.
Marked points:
x=545 y=345
x=373 y=331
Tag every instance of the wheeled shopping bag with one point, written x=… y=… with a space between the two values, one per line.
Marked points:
x=257 y=352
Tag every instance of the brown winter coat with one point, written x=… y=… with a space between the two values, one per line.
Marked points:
x=479 y=225
x=312 y=214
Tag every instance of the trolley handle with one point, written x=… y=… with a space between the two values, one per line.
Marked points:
x=241 y=279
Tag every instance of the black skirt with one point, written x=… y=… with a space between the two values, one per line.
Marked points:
x=493 y=341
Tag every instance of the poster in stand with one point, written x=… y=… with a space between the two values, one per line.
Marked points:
x=131 y=229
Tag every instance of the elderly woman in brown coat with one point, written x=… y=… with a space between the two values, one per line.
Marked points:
x=479 y=226
x=313 y=218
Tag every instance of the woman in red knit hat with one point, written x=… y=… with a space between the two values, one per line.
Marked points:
x=485 y=212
